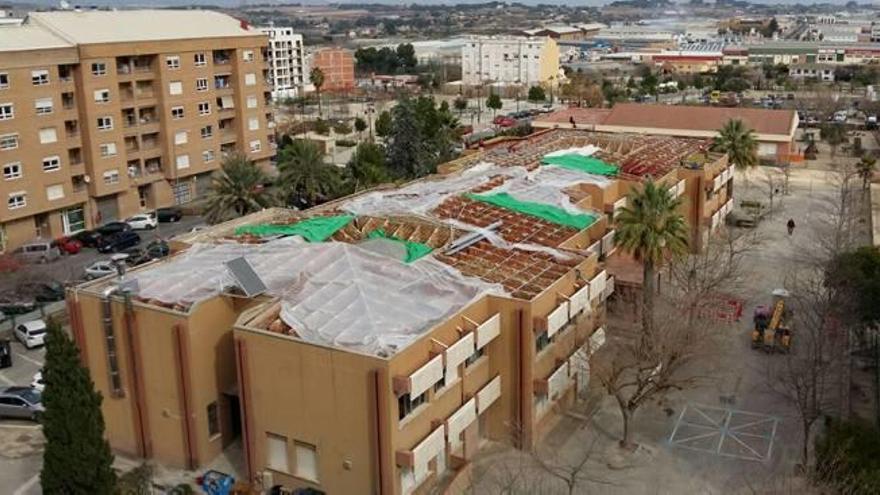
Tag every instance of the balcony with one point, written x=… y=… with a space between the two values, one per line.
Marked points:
x=222 y=57
x=153 y=166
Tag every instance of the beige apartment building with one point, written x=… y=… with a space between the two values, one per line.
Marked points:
x=104 y=114
x=395 y=338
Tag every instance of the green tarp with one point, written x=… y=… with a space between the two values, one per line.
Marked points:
x=414 y=250
x=544 y=211
x=315 y=229
x=581 y=163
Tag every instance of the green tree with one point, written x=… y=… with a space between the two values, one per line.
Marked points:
x=237 y=190
x=651 y=228
x=367 y=166
x=406 y=58
x=857 y=275
x=865 y=168
x=316 y=77
x=834 y=135
x=383 y=124
x=536 y=94
x=77 y=458
x=460 y=104
x=494 y=102
x=304 y=177
x=738 y=143
x=360 y=125
x=407 y=144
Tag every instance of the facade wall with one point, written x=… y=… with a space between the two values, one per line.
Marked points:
x=526 y=61
x=337 y=64
x=286 y=62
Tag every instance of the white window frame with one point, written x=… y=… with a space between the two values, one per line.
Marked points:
x=250 y=79
x=247 y=55
x=175 y=109
x=40 y=77
x=54 y=163
x=253 y=124
x=305 y=464
x=181 y=137
x=111 y=177
x=48 y=135
x=57 y=189
x=107 y=149
x=181 y=162
x=172 y=62
x=175 y=88
x=7 y=111
x=105 y=123
x=15 y=142
x=207 y=135
x=200 y=59
x=277 y=453
x=252 y=101
x=41 y=107
x=207 y=108
x=15 y=171
x=19 y=204
x=99 y=69
x=202 y=84
x=208 y=156
x=4 y=80
x=256 y=146
x=102 y=95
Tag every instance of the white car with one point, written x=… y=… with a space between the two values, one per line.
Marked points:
x=38 y=384
x=31 y=333
x=99 y=269
x=142 y=221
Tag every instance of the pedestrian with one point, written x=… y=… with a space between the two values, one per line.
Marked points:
x=790 y=225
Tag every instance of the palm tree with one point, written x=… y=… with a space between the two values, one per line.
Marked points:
x=316 y=77
x=304 y=177
x=865 y=169
x=739 y=143
x=651 y=228
x=237 y=190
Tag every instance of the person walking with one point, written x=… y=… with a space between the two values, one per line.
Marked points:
x=790 y=226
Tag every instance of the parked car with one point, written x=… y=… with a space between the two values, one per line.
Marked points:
x=31 y=333
x=119 y=241
x=142 y=221
x=43 y=291
x=503 y=121
x=67 y=245
x=88 y=238
x=169 y=214
x=99 y=269
x=21 y=402
x=37 y=383
x=158 y=249
x=16 y=305
x=113 y=228
x=37 y=252
x=136 y=256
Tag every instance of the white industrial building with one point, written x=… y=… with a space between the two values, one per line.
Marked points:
x=509 y=60
x=287 y=71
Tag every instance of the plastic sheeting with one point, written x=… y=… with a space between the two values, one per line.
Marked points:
x=544 y=211
x=315 y=229
x=548 y=185
x=582 y=163
x=588 y=150
x=414 y=250
x=331 y=293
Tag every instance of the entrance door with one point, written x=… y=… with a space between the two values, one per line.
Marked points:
x=234 y=411
x=41 y=226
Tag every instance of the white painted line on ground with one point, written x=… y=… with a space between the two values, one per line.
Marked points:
x=27 y=485
x=21 y=427
x=30 y=360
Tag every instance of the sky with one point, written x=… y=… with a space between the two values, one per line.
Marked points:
x=236 y=3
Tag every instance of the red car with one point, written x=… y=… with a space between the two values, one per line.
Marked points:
x=504 y=121
x=67 y=245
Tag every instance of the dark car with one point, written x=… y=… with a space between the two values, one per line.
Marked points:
x=136 y=256
x=119 y=241
x=169 y=214
x=113 y=228
x=158 y=249
x=88 y=238
x=16 y=305
x=43 y=291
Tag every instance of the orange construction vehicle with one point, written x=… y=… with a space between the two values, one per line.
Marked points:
x=772 y=330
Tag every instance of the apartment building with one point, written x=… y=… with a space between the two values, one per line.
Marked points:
x=109 y=113
x=393 y=341
x=287 y=73
x=509 y=60
x=337 y=64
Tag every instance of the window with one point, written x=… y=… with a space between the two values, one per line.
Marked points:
x=541 y=341
x=55 y=192
x=4 y=80
x=208 y=156
x=180 y=137
x=276 y=453
x=39 y=77
x=7 y=111
x=256 y=146
x=182 y=192
x=182 y=161
x=51 y=163
x=105 y=123
x=441 y=382
x=48 y=135
x=473 y=357
x=254 y=124
x=12 y=171
x=199 y=60
x=99 y=69
x=405 y=405
x=247 y=55
x=252 y=102
x=17 y=200
x=8 y=141
x=201 y=84
x=204 y=108
x=172 y=62
x=207 y=131
x=176 y=112
x=111 y=177
x=102 y=95
x=306 y=461
x=175 y=88
x=73 y=220
x=43 y=106
x=108 y=149
x=213 y=420
x=250 y=79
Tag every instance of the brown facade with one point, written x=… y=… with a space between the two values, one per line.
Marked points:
x=337 y=64
x=139 y=126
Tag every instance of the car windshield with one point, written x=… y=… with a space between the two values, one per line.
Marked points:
x=31 y=395
x=38 y=331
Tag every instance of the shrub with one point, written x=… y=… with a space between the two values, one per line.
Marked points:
x=848 y=457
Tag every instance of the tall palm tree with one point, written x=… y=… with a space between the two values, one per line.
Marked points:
x=304 y=177
x=865 y=168
x=739 y=143
x=237 y=190
x=651 y=228
x=316 y=77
